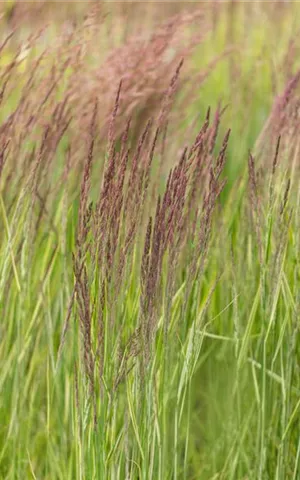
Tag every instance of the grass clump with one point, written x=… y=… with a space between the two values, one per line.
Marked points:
x=150 y=308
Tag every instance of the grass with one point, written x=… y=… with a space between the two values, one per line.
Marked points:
x=149 y=250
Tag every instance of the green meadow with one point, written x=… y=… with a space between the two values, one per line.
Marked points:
x=150 y=241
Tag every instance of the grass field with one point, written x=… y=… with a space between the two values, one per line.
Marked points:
x=150 y=241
